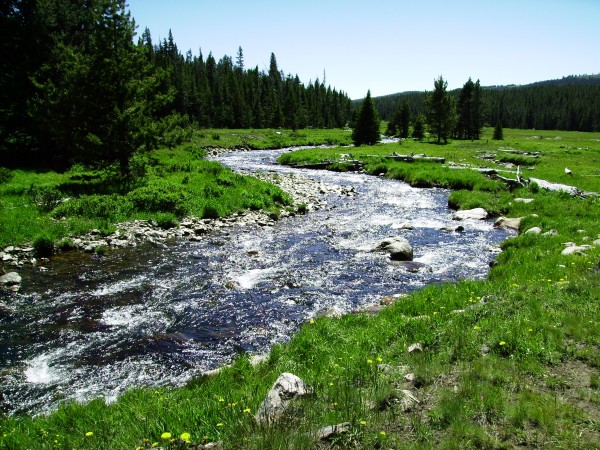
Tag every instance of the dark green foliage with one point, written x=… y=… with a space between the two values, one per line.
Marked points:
x=5 y=175
x=469 y=123
x=560 y=105
x=400 y=123
x=441 y=111
x=366 y=128
x=498 y=132
x=43 y=246
x=75 y=88
x=419 y=128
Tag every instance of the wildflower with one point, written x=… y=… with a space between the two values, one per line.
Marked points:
x=165 y=436
x=247 y=410
x=382 y=433
x=530 y=330
x=89 y=433
x=312 y=321
x=221 y=399
x=369 y=361
x=502 y=343
x=477 y=328
x=185 y=437
x=139 y=447
x=363 y=422
x=334 y=404
x=331 y=383
x=220 y=424
x=379 y=359
x=155 y=444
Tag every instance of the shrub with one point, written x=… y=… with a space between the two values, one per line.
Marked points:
x=161 y=197
x=166 y=220
x=43 y=246
x=5 y=175
x=45 y=198
x=111 y=207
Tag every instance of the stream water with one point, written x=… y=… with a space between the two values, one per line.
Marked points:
x=97 y=325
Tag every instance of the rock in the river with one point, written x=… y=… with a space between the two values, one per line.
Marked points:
x=287 y=387
x=508 y=222
x=398 y=248
x=475 y=214
x=10 y=279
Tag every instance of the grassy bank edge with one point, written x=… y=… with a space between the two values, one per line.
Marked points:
x=509 y=361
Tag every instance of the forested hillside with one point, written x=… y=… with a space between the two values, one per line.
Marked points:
x=78 y=85
x=571 y=103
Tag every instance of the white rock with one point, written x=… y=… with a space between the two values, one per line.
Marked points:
x=534 y=230
x=287 y=387
x=475 y=214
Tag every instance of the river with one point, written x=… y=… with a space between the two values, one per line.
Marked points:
x=93 y=326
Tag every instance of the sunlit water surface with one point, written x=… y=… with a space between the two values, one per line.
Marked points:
x=96 y=325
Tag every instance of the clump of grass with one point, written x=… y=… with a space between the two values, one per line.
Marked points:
x=43 y=246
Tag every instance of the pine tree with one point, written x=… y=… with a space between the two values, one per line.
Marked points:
x=419 y=128
x=403 y=121
x=441 y=112
x=366 y=129
x=498 y=132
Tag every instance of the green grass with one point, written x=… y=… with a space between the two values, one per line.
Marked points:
x=518 y=367
x=270 y=138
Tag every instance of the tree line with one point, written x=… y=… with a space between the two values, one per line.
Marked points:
x=569 y=104
x=76 y=87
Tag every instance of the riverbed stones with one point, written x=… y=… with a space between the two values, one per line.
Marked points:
x=473 y=214
x=285 y=389
x=10 y=281
x=397 y=247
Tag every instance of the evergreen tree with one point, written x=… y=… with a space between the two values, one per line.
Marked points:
x=403 y=121
x=419 y=128
x=441 y=114
x=366 y=129
x=498 y=132
x=469 y=124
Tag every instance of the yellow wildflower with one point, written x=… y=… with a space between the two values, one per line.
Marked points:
x=363 y=422
x=502 y=343
x=165 y=436
x=185 y=437
x=220 y=424
x=89 y=433
x=247 y=410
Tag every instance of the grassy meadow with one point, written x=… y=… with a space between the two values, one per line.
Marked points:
x=164 y=185
x=509 y=362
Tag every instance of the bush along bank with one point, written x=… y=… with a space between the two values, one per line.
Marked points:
x=508 y=362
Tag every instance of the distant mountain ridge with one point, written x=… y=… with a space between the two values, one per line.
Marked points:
x=570 y=103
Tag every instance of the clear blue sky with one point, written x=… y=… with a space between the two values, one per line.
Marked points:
x=389 y=46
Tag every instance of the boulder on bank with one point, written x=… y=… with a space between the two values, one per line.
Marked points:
x=474 y=214
x=398 y=248
x=287 y=387
x=508 y=222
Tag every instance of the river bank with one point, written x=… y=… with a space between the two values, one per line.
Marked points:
x=506 y=360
